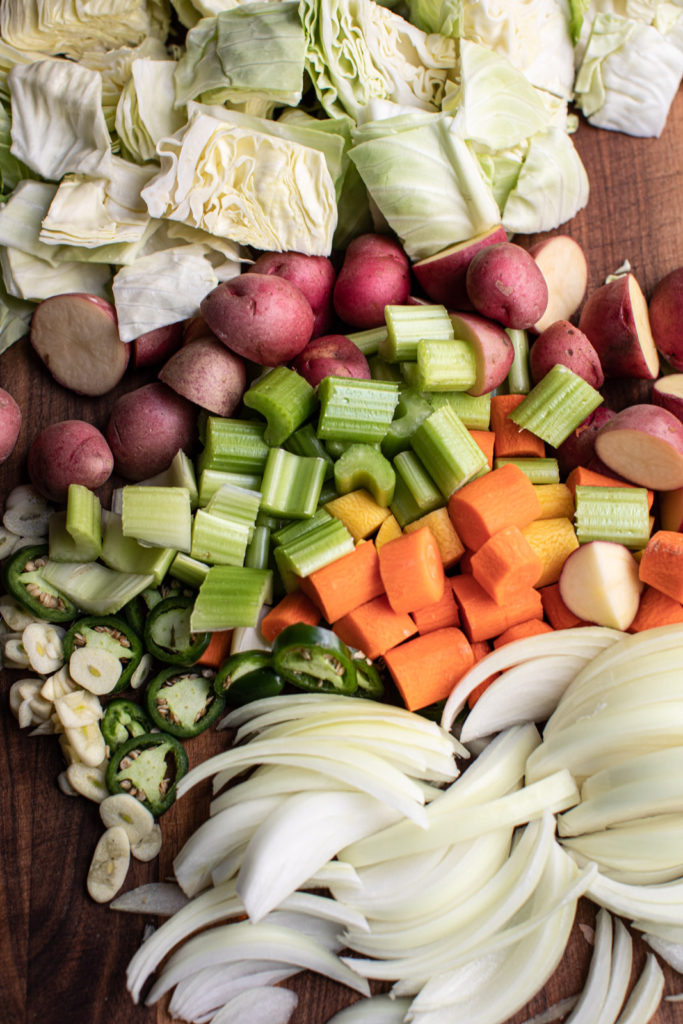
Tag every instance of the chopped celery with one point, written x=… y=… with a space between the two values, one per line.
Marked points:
x=539 y=470
x=188 y=570
x=619 y=514
x=238 y=504
x=406 y=325
x=556 y=405
x=300 y=527
x=284 y=398
x=404 y=508
x=233 y=446
x=382 y=370
x=519 y=377
x=445 y=365
x=211 y=480
x=305 y=441
x=258 y=550
x=411 y=410
x=291 y=484
x=419 y=483
x=93 y=587
x=161 y=516
x=180 y=473
x=473 y=410
x=126 y=554
x=370 y=340
x=447 y=450
x=84 y=522
x=363 y=465
x=218 y=540
x=229 y=596
x=355 y=410
x=303 y=555
x=410 y=373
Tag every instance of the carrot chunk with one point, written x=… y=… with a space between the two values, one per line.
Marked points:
x=347 y=582
x=581 y=476
x=375 y=627
x=556 y=611
x=438 y=614
x=217 y=649
x=661 y=564
x=532 y=627
x=655 y=609
x=505 y=564
x=412 y=570
x=486 y=440
x=445 y=651
x=502 y=497
x=483 y=618
x=294 y=607
x=510 y=440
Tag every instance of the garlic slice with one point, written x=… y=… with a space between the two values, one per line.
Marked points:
x=142 y=672
x=27 y=513
x=149 y=846
x=109 y=865
x=122 y=809
x=43 y=643
x=14 y=615
x=78 y=708
x=88 y=780
x=58 y=684
x=95 y=668
x=86 y=744
x=14 y=653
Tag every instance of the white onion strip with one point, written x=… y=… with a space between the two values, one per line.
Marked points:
x=591 y=999
x=263 y=1005
x=646 y=994
x=620 y=973
x=380 y=1009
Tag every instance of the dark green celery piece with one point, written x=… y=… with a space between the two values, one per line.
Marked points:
x=126 y=554
x=411 y=410
x=355 y=410
x=285 y=399
x=382 y=370
x=445 y=365
x=419 y=483
x=337 y=448
x=300 y=527
x=519 y=376
x=556 y=405
x=316 y=548
x=291 y=484
x=447 y=450
x=230 y=595
x=404 y=508
x=473 y=410
x=328 y=493
x=233 y=446
x=363 y=465
x=539 y=471
x=305 y=441
x=407 y=325
x=258 y=550
x=618 y=514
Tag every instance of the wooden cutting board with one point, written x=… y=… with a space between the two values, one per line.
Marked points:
x=63 y=957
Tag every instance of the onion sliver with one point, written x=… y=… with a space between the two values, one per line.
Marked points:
x=264 y=1005
x=646 y=994
x=376 y=1010
x=199 y=995
x=619 y=975
x=591 y=1000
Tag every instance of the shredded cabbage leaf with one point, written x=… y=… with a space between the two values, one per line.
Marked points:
x=28 y=277
x=146 y=111
x=552 y=185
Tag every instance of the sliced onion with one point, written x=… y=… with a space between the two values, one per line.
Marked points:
x=646 y=994
x=590 y=1002
x=199 y=995
x=619 y=975
x=380 y=1009
x=263 y=1005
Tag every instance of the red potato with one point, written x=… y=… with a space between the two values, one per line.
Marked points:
x=599 y=583
x=666 y=317
x=505 y=283
x=10 y=424
x=618 y=392
x=207 y=373
x=68 y=452
x=644 y=445
x=671 y=510
x=561 y=342
x=157 y=346
x=262 y=317
x=442 y=276
x=331 y=355
x=314 y=276
x=579 y=448
x=147 y=427
x=668 y=394
x=493 y=350
x=76 y=336
x=375 y=273
x=563 y=264
x=615 y=320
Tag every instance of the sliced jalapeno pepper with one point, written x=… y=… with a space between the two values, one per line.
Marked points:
x=238 y=665
x=111 y=633
x=148 y=767
x=368 y=677
x=314 y=658
x=123 y=720
x=24 y=582
x=183 y=701
x=168 y=635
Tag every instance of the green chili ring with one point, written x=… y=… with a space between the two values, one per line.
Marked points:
x=23 y=581
x=111 y=633
x=168 y=636
x=123 y=720
x=182 y=701
x=314 y=658
x=141 y=768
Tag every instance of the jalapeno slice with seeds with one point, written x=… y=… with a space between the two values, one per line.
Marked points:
x=23 y=580
x=148 y=767
x=183 y=702
x=123 y=720
x=111 y=633
x=168 y=635
x=314 y=658
x=238 y=665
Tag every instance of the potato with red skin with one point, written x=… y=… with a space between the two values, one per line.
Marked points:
x=442 y=276
x=10 y=424
x=493 y=351
x=563 y=264
x=505 y=283
x=262 y=317
x=563 y=343
x=579 y=448
x=157 y=346
x=69 y=452
x=331 y=355
x=375 y=273
x=666 y=317
x=644 y=445
x=314 y=276
x=616 y=322
x=668 y=393
x=146 y=428
x=207 y=373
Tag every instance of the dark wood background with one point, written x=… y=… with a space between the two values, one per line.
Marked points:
x=63 y=957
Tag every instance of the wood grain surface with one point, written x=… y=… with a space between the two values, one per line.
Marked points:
x=63 y=957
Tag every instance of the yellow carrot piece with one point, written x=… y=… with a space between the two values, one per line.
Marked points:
x=553 y=540
x=557 y=501
x=359 y=512
x=451 y=548
x=389 y=530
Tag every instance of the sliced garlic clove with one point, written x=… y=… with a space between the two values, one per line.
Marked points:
x=58 y=684
x=124 y=810
x=95 y=668
x=43 y=643
x=149 y=846
x=86 y=743
x=25 y=715
x=27 y=513
x=44 y=728
x=14 y=653
x=109 y=865
x=14 y=614
x=64 y=784
x=88 y=780
x=142 y=672
x=78 y=708
x=21 y=690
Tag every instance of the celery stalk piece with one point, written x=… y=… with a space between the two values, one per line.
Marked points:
x=409 y=373
x=95 y=588
x=328 y=493
x=419 y=483
x=619 y=514
x=300 y=527
x=285 y=399
x=305 y=441
x=291 y=484
x=238 y=504
x=473 y=410
x=556 y=405
x=303 y=555
x=211 y=480
x=403 y=507
x=84 y=521
x=539 y=471
x=411 y=410
x=369 y=341
x=380 y=369
x=62 y=546
x=188 y=570
x=445 y=365
x=217 y=540
x=447 y=450
x=161 y=516
x=126 y=554
x=355 y=410
x=233 y=446
x=258 y=550
x=519 y=375
x=363 y=465
x=180 y=473
x=406 y=325
x=229 y=596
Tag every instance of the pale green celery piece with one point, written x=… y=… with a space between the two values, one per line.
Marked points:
x=411 y=410
x=258 y=549
x=403 y=506
x=369 y=341
x=447 y=450
x=418 y=482
x=62 y=546
x=305 y=441
x=126 y=554
x=445 y=365
x=539 y=471
x=519 y=377
x=410 y=374
x=355 y=410
x=229 y=596
x=618 y=514
x=211 y=481
x=556 y=405
x=406 y=325
x=364 y=466
x=285 y=399
x=299 y=527
x=218 y=540
x=238 y=504
x=291 y=484
x=473 y=410
x=188 y=570
x=84 y=522
x=380 y=369
x=160 y=516
x=305 y=554
x=180 y=473
x=94 y=587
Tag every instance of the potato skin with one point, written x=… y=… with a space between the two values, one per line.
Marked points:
x=147 y=427
x=375 y=273
x=69 y=452
x=505 y=283
x=262 y=317
x=666 y=317
x=331 y=355
x=207 y=373
x=314 y=276
x=156 y=346
x=614 y=319
x=10 y=424
x=563 y=343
